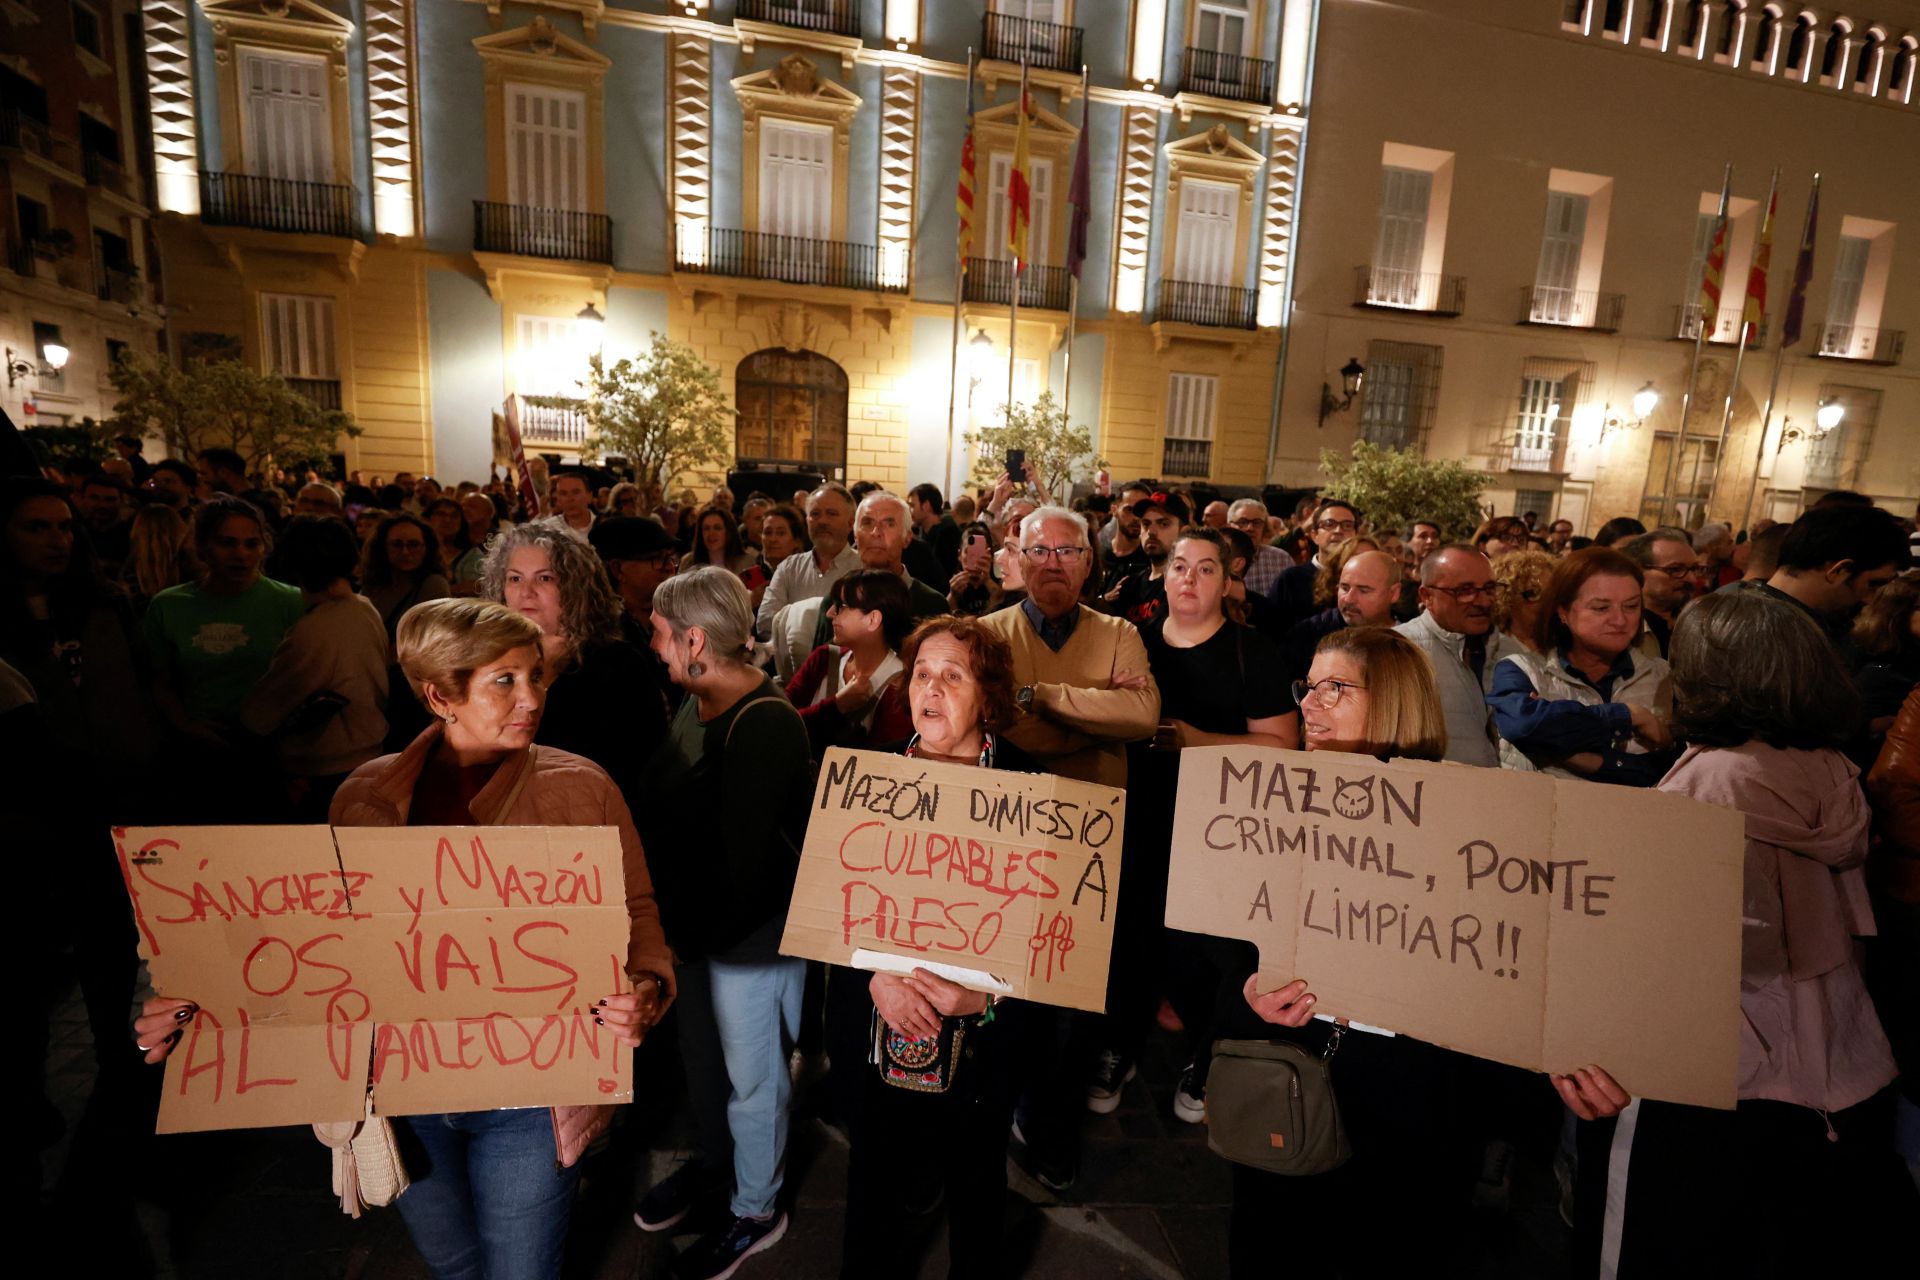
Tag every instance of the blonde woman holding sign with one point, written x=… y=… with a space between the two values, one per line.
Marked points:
x=492 y=1191
x=1405 y=1192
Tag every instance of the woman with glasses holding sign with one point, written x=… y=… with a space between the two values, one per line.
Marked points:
x=1221 y=683
x=1588 y=703
x=1405 y=1191
x=914 y=1137
x=491 y=1192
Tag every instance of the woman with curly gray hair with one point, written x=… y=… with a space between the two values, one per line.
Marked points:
x=603 y=701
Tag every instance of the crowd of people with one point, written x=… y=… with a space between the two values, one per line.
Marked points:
x=184 y=643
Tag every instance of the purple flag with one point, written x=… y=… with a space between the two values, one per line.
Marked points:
x=1802 y=273
x=1080 y=197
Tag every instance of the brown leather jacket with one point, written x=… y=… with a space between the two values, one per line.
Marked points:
x=540 y=787
x=1893 y=784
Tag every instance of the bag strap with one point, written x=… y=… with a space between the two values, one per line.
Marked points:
x=741 y=714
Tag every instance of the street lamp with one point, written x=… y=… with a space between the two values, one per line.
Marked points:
x=980 y=361
x=1350 y=375
x=1828 y=415
x=1645 y=401
x=53 y=354
x=1825 y=419
x=592 y=327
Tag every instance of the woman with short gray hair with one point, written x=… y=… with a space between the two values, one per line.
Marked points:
x=729 y=812
x=603 y=700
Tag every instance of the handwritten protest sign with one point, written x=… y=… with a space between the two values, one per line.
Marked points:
x=452 y=969
x=1013 y=874
x=1537 y=921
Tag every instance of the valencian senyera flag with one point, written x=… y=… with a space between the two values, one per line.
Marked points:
x=963 y=201
x=1802 y=273
x=1019 y=192
x=1754 y=310
x=1711 y=276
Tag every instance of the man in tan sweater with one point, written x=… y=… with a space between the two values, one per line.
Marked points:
x=1085 y=689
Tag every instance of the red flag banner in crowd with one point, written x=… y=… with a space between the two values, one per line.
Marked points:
x=1802 y=273
x=1755 y=309
x=523 y=474
x=1019 y=190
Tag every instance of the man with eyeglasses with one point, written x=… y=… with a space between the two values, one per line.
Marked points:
x=1665 y=556
x=881 y=528
x=1249 y=516
x=1334 y=522
x=1455 y=629
x=1084 y=690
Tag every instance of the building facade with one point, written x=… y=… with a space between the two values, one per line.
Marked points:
x=76 y=278
x=1511 y=208
x=408 y=205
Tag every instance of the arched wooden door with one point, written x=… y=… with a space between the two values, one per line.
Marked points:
x=793 y=412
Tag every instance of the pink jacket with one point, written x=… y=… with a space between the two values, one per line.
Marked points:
x=545 y=788
x=1809 y=1034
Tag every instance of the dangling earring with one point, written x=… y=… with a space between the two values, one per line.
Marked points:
x=696 y=669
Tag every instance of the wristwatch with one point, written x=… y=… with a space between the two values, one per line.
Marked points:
x=1024 y=698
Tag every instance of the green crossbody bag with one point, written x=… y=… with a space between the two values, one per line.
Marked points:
x=1270 y=1105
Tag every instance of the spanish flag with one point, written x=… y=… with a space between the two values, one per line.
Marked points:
x=1755 y=309
x=1019 y=193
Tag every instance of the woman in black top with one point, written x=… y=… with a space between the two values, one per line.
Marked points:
x=602 y=700
x=1220 y=682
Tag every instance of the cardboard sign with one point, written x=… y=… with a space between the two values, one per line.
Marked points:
x=1538 y=921
x=450 y=968
x=1011 y=874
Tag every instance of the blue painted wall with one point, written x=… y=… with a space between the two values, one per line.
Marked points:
x=453 y=113
x=638 y=148
x=465 y=364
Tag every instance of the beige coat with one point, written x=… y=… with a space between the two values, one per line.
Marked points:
x=1080 y=724
x=539 y=787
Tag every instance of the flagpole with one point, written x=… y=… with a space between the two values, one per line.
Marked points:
x=1693 y=371
x=1779 y=360
x=1013 y=292
x=1740 y=356
x=959 y=287
x=1073 y=283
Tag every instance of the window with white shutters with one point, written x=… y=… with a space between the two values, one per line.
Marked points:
x=550 y=358
x=1221 y=26
x=1204 y=248
x=1190 y=406
x=796 y=179
x=1399 y=394
x=1053 y=11
x=1541 y=403
x=286 y=117
x=1040 y=202
x=1843 y=300
x=1400 y=250
x=546 y=147
x=1833 y=460
x=296 y=333
x=1556 y=282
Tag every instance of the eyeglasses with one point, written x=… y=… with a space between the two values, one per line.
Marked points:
x=1326 y=692
x=1249 y=522
x=1681 y=570
x=1336 y=526
x=1468 y=591
x=1065 y=555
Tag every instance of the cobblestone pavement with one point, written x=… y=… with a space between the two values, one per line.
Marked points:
x=1151 y=1200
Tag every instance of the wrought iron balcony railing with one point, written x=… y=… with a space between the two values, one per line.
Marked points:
x=756 y=255
x=841 y=17
x=117 y=284
x=551 y=427
x=566 y=234
x=324 y=392
x=1857 y=342
x=276 y=204
x=108 y=175
x=1227 y=75
x=37 y=137
x=1222 y=306
x=1726 y=328
x=1187 y=458
x=1575 y=308
x=991 y=280
x=1427 y=292
x=1046 y=45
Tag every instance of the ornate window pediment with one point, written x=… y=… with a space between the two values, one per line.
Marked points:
x=540 y=44
x=313 y=103
x=794 y=88
x=538 y=55
x=280 y=19
x=1214 y=153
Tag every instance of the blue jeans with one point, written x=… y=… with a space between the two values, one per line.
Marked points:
x=489 y=1202
x=738 y=1022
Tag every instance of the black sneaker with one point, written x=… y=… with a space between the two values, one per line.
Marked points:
x=717 y=1256
x=1190 y=1098
x=668 y=1200
x=1055 y=1173
x=1110 y=1074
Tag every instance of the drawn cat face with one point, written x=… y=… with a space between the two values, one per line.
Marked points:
x=1353 y=799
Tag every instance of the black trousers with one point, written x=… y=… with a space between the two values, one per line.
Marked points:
x=907 y=1148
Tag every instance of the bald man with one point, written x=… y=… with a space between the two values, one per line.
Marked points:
x=1369 y=588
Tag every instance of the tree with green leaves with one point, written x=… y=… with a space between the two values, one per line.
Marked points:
x=1060 y=452
x=1393 y=486
x=662 y=410
x=207 y=404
